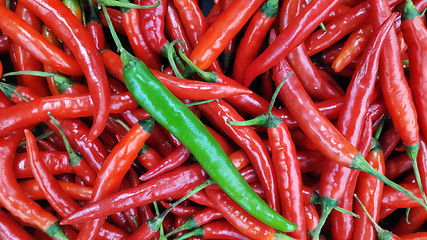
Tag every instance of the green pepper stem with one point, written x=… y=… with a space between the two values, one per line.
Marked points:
x=260 y=120
x=171 y=54
x=41 y=136
x=9 y=89
x=196 y=232
x=114 y=3
x=382 y=233
x=207 y=76
x=195 y=103
x=327 y=205
x=412 y=151
x=359 y=163
x=55 y=231
x=74 y=157
x=189 y=224
x=155 y=222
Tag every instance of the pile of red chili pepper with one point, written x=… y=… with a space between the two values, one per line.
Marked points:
x=213 y=119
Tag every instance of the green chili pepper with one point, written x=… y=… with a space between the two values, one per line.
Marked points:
x=175 y=117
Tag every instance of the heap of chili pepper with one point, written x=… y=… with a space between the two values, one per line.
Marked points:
x=225 y=119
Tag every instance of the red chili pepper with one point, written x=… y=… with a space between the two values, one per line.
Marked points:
x=10 y=229
x=251 y=42
x=25 y=60
x=182 y=211
x=239 y=218
x=369 y=191
x=314 y=83
x=171 y=185
x=222 y=31
x=134 y=31
x=175 y=28
x=174 y=160
x=398 y=165
x=4 y=43
x=288 y=174
x=116 y=19
x=14 y=199
x=219 y=229
x=76 y=191
x=395 y=88
x=341 y=26
x=153 y=23
x=26 y=36
x=309 y=18
x=415 y=35
x=311 y=217
x=95 y=28
x=63 y=106
x=115 y=167
x=57 y=162
x=68 y=28
x=353 y=47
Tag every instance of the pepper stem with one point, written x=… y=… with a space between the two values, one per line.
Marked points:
x=207 y=76
x=359 y=163
x=189 y=224
x=171 y=54
x=327 y=205
x=382 y=233
x=55 y=231
x=196 y=232
x=74 y=157
x=114 y=3
x=155 y=222
x=260 y=120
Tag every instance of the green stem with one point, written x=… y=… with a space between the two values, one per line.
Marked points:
x=121 y=123
x=382 y=233
x=41 y=136
x=260 y=120
x=55 y=231
x=171 y=57
x=196 y=232
x=155 y=222
x=189 y=224
x=114 y=3
x=9 y=89
x=276 y=92
x=74 y=157
x=195 y=103
x=359 y=163
x=327 y=205
x=206 y=76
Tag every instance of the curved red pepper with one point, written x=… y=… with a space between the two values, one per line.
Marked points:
x=68 y=28
x=289 y=38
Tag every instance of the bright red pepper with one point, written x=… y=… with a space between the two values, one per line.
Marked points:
x=115 y=167
x=29 y=38
x=315 y=84
x=222 y=31
x=255 y=33
x=68 y=28
x=14 y=199
x=153 y=24
x=10 y=229
x=415 y=35
x=290 y=37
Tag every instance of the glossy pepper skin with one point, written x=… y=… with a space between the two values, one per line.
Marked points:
x=22 y=33
x=308 y=19
x=174 y=116
x=14 y=199
x=415 y=35
x=68 y=28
